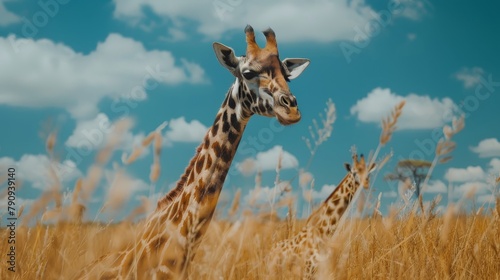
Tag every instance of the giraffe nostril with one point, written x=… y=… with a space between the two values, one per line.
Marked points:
x=284 y=101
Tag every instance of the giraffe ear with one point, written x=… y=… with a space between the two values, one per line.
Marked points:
x=226 y=57
x=295 y=66
x=347 y=167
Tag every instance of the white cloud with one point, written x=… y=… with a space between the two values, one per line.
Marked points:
x=471 y=173
x=494 y=166
x=54 y=75
x=36 y=170
x=179 y=130
x=470 y=189
x=487 y=148
x=420 y=112
x=176 y=34
x=122 y=187
x=268 y=160
x=470 y=76
x=486 y=199
x=414 y=9
x=131 y=140
x=436 y=186
x=474 y=182
x=247 y=167
x=323 y=193
x=267 y=195
x=333 y=20
x=7 y=17
x=90 y=134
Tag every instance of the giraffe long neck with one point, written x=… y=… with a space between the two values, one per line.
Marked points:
x=195 y=197
x=326 y=217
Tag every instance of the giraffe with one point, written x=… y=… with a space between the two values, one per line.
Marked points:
x=303 y=251
x=171 y=234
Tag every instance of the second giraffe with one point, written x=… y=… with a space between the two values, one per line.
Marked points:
x=304 y=250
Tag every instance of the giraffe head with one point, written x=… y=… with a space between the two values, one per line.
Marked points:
x=360 y=171
x=262 y=78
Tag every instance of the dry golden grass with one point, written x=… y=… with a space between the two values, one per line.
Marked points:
x=411 y=247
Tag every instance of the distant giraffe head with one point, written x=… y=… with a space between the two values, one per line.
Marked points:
x=262 y=78
x=359 y=171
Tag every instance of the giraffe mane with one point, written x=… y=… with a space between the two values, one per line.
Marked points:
x=337 y=189
x=180 y=184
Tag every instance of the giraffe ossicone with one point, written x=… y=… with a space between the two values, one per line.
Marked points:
x=171 y=234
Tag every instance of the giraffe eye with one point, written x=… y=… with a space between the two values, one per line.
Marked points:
x=249 y=74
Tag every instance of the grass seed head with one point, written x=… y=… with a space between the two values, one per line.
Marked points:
x=155 y=171
x=50 y=143
x=389 y=124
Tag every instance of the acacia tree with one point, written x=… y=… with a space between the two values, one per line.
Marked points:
x=415 y=170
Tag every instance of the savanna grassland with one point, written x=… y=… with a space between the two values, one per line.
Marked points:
x=409 y=247
x=415 y=240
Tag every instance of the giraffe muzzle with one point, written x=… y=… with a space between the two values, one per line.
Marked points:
x=287 y=111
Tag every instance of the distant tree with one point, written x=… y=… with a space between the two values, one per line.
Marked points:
x=415 y=170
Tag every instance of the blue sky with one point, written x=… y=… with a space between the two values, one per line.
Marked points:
x=72 y=66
